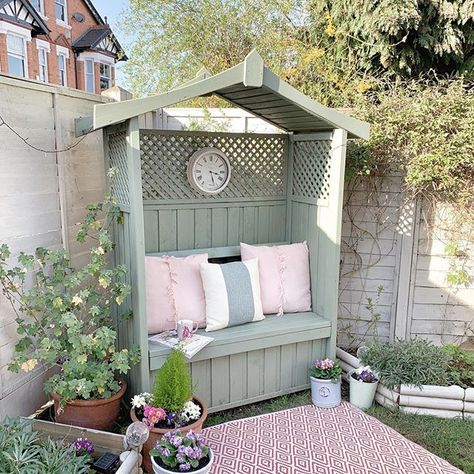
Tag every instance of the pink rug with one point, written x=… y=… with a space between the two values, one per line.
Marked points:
x=342 y=440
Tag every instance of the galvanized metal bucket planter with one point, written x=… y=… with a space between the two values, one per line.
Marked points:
x=326 y=393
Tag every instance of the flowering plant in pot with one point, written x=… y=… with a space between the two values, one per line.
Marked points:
x=181 y=452
x=64 y=323
x=363 y=384
x=171 y=405
x=325 y=376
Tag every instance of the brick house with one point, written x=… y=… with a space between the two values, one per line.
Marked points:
x=63 y=42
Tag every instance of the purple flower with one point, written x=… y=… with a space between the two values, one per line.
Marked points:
x=197 y=453
x=180 y=458
x=176 y=441
x=191 y=435
x=185 y=466
x=164 y=451
x=82 y=446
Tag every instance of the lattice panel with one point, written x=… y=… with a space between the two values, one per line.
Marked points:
x=258 y=164
x=118 y=160
x=311 y=169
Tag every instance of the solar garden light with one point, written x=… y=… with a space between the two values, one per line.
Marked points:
x=135 y=436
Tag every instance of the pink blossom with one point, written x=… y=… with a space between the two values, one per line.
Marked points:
x=152 y=415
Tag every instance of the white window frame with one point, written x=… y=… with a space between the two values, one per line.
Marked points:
x=64 y=52
x=109 y=77
x=58 y=20
x=86 y=74
x=44 y=51
x=41 y=7
x=25 y=57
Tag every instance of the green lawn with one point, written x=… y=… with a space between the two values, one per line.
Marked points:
x=452 y=440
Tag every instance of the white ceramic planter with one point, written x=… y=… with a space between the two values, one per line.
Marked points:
x=204 y=470
x=361 y=393
x=326 y=393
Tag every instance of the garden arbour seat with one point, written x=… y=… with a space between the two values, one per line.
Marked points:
x=253 y=361
x=282 y=187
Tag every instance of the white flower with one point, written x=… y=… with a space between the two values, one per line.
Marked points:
x=364 y=369
x=140 y=400
x=191 y=411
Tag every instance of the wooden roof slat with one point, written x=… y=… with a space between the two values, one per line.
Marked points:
x=244 y=93
x=259 y=99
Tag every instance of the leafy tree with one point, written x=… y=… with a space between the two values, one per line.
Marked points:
x=403 y=37
x=177 y=37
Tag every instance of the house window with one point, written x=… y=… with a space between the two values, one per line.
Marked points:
x=62 y=69
x=105 y=76
x=90 y=79
x=38 y=4
x=43 y=64
x=60 y=10
x=16 y=52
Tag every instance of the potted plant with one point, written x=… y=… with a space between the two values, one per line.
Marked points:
x=325 y=375
x=171 y=404
x=362 y=385
x=64 y=323
x=181 y=452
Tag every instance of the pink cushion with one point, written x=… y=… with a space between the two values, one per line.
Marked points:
x=174 y=291
x=284 y=276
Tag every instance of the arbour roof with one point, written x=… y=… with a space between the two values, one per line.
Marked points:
x=251 y=86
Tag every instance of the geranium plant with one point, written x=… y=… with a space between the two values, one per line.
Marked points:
x=64 y=313
x=365 y=374
x=327 y=369
x=185 y=452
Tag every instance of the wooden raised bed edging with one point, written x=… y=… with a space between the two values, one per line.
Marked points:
x=434 y=400
x=103 y=441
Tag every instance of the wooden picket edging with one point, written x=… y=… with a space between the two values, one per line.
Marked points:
x=434 y=400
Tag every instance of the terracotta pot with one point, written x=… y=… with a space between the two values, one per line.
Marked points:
x=98 y=414
x=157 y=433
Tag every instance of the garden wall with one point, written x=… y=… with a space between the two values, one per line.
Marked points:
x=42 y=196
x=394 y=264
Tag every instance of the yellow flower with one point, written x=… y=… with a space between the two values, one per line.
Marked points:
x=330 y=30
x=77 y=300
x=57 y=302
x=29 y=365
x=103 y=282
x=101 y=390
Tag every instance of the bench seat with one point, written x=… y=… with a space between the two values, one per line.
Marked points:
x=255 y=361
x=272 y=331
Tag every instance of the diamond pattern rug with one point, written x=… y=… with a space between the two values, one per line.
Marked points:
x=303 y=440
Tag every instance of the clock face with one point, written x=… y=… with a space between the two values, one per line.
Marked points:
x=209 y=171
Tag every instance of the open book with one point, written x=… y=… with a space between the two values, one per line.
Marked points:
x=190 y=346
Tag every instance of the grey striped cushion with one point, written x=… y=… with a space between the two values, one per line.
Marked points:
x=232 y=293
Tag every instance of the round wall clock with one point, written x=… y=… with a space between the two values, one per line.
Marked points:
x=209 y=171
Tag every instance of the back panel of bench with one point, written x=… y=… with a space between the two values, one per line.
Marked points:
x=253 y=208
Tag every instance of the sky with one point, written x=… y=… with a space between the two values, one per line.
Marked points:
x=111 y=10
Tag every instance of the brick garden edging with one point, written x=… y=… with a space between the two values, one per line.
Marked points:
x=434 y=400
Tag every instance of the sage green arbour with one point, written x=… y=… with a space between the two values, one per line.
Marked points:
x=284 y=188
